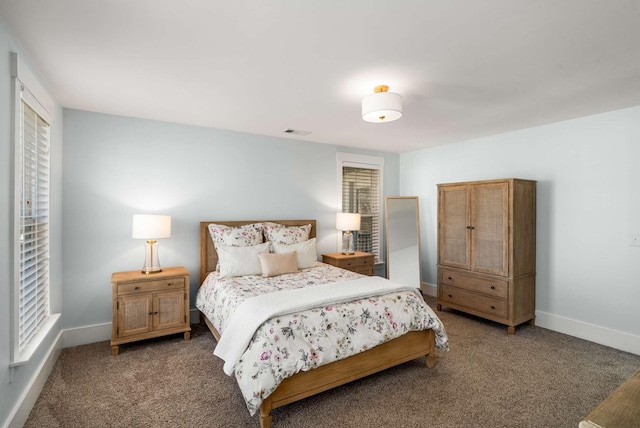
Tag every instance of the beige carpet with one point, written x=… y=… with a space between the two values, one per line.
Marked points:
x=537 y=378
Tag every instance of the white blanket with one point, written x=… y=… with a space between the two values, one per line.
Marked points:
x=254 y=311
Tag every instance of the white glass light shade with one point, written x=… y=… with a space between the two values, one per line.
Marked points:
x=347 y=221
x=382 y=107
x=151 y=227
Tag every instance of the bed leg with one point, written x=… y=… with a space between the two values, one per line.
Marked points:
x=431 y=360
x=265 y=415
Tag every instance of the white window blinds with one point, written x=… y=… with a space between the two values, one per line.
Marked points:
x=32 y=180
x=361 y=194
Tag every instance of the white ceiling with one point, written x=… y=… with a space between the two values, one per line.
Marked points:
x=465 y=68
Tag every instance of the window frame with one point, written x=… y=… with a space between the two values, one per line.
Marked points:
x=26 y=89
x=364 y=162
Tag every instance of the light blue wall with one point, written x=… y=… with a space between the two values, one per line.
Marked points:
x=588 y=205
x=115 y=167
x=13 y=385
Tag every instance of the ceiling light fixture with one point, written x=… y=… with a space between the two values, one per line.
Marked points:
x=382 y=106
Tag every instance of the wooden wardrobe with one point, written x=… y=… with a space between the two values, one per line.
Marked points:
x=487 y=249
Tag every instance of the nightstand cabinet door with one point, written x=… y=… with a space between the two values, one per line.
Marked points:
x=168 y=309
x=134 y=314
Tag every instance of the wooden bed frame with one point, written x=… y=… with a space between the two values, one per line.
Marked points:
x=410 y=346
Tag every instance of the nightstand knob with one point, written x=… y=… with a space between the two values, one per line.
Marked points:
x=153 y=313
x=493 y=307
x=136 y=288
x=493 y=287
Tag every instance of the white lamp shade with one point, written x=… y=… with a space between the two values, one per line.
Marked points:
x=382 y=107
x=151 y=226
x=347 y=221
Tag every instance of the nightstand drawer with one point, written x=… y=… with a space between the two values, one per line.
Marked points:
x=359 y=262
x=355 y=262
x=145 y=286
x=478 y=302
x=488 y=286
x=365 y=270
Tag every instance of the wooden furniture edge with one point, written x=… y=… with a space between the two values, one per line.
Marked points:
x=620 y=409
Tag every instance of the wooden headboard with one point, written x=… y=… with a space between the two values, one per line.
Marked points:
x=208 y=254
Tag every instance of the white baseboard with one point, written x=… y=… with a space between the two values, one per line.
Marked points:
x=429 y=289
x=85 y=335
x=99 y=332
x=591 y=332
x=20 y=412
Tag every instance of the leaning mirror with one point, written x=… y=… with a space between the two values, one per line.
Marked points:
x=403 y=239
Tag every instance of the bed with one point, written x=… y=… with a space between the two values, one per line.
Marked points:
x=408 y=346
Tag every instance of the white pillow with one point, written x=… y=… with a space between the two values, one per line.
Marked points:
x=306 y=253
x=239 y=236
x=240 y=261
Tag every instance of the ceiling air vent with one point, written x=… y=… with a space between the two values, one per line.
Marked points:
x=296 y=132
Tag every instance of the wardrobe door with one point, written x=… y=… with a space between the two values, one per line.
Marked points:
x=453 y=227
x=490 y=228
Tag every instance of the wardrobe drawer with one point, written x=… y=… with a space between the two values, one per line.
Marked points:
x=484 y=285
x=478 y=302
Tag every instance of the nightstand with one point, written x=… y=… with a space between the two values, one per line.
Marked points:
x=149 y=305
x=357 y=262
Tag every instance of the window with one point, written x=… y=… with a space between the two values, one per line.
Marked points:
x=32 y=315
x=361 y=192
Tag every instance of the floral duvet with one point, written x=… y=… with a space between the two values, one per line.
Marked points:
x=287 y=344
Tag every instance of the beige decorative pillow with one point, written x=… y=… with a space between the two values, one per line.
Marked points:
x=278 y=264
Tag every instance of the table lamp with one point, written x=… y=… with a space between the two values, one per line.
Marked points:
x=347 y=222
x=151 y=227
